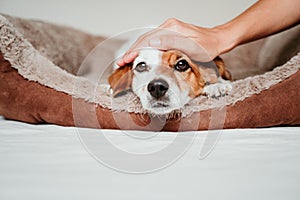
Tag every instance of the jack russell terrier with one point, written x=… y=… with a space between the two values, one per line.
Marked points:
x=165 y=81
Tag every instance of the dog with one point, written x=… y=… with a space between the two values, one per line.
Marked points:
x=165 y=81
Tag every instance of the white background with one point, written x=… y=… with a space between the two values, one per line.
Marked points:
x=110 y=17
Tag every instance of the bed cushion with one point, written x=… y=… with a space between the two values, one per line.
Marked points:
x=38 y=85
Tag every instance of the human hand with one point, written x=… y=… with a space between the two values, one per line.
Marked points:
x=201 y=44
x=204 y=44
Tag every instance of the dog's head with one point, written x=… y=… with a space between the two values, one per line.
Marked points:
x=163 y=80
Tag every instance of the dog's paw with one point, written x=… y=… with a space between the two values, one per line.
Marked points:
x=217 y=90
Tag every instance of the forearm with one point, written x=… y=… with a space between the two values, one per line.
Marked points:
x=266 y=17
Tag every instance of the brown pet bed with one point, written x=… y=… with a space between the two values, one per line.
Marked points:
x=45 y=79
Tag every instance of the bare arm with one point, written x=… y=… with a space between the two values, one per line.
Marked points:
x=264 y=18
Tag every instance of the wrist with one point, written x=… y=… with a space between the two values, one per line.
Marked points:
x=227 y=38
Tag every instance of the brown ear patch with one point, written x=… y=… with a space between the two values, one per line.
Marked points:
x=120 y=80
x=195 y=80
x=225 y=74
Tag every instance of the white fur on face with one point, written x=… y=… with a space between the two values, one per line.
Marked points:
x=175 y=97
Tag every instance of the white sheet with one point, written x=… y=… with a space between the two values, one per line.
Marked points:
x=50 y=162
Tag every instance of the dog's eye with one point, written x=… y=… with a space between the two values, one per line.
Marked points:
x=182 y=66
x=141 y=67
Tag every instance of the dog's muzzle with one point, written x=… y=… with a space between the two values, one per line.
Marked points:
x=158 y=88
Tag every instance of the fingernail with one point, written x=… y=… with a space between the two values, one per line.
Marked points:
x=120 y=62
x=128 y=58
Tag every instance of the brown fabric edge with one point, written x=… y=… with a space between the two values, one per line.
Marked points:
x=32 y=102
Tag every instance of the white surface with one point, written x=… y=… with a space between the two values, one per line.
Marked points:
x=49 y=162
x=110 y=17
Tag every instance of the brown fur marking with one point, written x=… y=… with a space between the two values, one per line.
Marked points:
x=120 y=80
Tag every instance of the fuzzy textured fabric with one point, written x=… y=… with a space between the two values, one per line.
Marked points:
x=53 y=56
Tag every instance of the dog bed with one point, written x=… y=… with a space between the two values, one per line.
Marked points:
x=42 y=81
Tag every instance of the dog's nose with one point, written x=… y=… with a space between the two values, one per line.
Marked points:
x=158 y=88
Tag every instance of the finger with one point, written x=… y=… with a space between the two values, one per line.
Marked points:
x=142 y=42
x=132 y=52
x=130 y=56
x=181 y=43
x=127 y=59
x=121 y=62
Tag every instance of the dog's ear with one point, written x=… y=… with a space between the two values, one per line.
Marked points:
x=222 y=71
x=121 y=79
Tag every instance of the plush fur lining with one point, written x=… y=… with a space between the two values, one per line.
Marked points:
x=51 y=55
